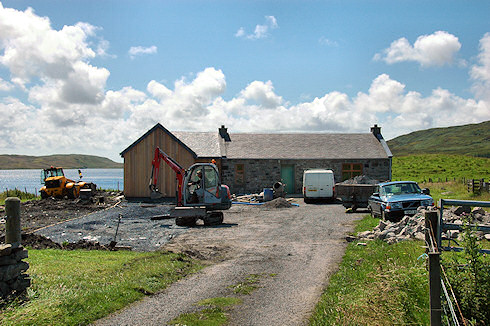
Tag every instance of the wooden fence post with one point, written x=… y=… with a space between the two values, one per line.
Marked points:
x=435 y=288
x=12 y=225
x=431 y=228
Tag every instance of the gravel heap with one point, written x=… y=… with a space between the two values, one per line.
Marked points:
x=277 y=203
x=359 y=180
x=413 y=227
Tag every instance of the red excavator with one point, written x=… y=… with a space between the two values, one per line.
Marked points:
x=200 y=195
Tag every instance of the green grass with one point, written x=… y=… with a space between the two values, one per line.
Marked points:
x=22 y=195
x=438 y=167
x=78 y=287
x=377 y=284
x=214 y=313
x=453 y=190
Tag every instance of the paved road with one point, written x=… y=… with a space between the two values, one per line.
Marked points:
x=292 y=250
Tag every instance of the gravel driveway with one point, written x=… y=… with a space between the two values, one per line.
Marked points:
x=289 y=252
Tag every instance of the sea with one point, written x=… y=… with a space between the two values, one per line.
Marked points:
x=29 y=180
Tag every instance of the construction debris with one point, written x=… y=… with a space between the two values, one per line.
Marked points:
x=413 y=227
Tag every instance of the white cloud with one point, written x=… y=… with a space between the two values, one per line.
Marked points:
x=5 y=85
x=69 y=109
x=140 y=50
x=261 y=31
x=262 y=93
x=325 y=41
x=436 y=49
x=481 y=73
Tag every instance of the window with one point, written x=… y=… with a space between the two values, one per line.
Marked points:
x=350 y=170
x=210 y=181
x=239 y=174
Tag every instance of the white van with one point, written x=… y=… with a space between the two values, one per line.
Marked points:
x=318 y=184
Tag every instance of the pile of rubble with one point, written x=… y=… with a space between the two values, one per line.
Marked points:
x=360 y=180
x=413 y=227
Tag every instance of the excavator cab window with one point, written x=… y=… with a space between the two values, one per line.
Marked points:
x=210 y=179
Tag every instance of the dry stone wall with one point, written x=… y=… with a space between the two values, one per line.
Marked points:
x=13 y=278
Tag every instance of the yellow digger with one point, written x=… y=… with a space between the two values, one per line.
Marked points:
x=59 y=186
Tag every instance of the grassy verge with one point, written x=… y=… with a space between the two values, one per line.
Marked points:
x=78 y=287
x=377 y=284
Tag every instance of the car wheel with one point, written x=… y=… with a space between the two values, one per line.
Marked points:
x=44 y=195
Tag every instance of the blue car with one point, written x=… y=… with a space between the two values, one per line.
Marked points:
x=393 y=200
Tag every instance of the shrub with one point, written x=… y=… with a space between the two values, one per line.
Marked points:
x=469 y=276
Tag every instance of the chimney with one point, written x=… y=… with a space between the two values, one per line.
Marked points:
x=223 y=132
x=377 y=132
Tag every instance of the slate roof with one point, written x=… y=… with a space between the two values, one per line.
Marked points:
x=280 y=146
x=204 y=144
x=305 y=146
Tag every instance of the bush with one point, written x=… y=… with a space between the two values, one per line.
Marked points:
x=22 y=195
x=469 y=275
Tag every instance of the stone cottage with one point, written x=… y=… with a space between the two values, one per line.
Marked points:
x=249 y=162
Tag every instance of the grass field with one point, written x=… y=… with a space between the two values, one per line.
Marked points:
x=440 y=167
x=77 y=287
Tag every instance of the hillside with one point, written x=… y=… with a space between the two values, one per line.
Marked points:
x=69 y=161
x=472 y=140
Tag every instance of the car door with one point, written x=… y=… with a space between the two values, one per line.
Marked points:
x=375 y=201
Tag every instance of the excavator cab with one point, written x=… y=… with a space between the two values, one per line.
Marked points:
x=202 y=187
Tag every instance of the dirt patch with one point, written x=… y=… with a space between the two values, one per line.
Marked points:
x=209 y=253
x=36 y=214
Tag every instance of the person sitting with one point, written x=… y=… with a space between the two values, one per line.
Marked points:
x=196 y=192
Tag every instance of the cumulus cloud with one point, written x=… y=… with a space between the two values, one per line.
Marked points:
x=5 y=85
x=32 y=49
x=261 y=31
x=481 y=72
x=69 y=109
x=436 y=49
x=135 y=51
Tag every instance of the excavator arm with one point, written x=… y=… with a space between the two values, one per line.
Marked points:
x=179 y=171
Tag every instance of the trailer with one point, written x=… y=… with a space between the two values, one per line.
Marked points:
x=354 y=196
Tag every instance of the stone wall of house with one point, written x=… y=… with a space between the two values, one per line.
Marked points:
x=260 y=174
x=12 y=270
x=257 y=175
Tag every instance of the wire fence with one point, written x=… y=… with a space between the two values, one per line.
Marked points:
x=444 y=303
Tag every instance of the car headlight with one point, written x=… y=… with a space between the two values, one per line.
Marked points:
x=394 y=206
x=428 y=202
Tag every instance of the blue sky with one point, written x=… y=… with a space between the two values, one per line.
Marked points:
x=92 y=76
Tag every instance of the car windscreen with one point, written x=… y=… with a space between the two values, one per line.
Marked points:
x=400 y=189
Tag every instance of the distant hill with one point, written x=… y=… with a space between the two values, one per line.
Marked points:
x=472 y=140
x=69 y=161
